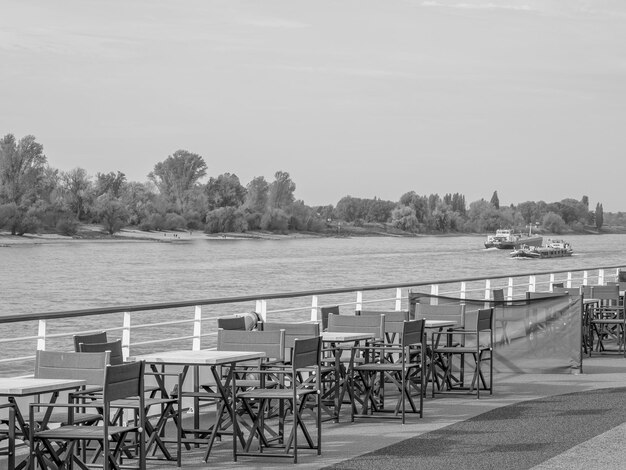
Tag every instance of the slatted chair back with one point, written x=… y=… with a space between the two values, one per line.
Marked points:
x=232 y=323
x=325 y=311
x=114 y=348
x=374 y=324
x=272 y=343
x=607 y=295
x=99 y=337
x=293 y=331
x=72 y=365
x=394 y=319
x=306 y=353
x=445 y=312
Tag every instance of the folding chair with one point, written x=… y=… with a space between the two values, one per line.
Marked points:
x=477 y=343
x=325 y=311
x=232 y=323
x=169 y=406
x=394 y=320
x=608 y=321
x=55 y=448
x=400 y=364
x=98 y=337
x=297 y=393
x=7 y=433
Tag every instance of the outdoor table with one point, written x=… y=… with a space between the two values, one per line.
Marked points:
x=214 y=359
x=438 y=325
x=19 y=387
x=332 y=341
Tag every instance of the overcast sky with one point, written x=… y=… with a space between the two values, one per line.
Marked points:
x=351 y=97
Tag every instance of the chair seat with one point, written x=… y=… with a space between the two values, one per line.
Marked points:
x=385 y=366
x=60 y=417
x=461 y=349
x=82 y=432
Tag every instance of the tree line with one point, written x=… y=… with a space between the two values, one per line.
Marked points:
x=36 y=197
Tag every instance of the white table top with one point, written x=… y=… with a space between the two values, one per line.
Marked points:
x=439 y=323
x=208 y=357
x=23 y=386
x=342 y=337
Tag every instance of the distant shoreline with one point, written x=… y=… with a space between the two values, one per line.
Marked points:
x=94 y=233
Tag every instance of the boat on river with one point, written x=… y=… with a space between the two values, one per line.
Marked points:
x=552 y=249
x=506 y=239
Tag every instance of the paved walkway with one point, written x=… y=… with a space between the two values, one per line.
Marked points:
x=539 y=422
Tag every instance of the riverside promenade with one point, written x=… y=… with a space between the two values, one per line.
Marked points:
x=532 y=421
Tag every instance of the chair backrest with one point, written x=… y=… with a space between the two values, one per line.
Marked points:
x=374 y=325
x=484 y=320
x=393 y=318
x=498 y=296
x=89 y=367
x=586 y=291
x=123 y=381
x=306 y=353
x=99 y=337
x=294 y=331
x=232 y=323
x=272 y=343
x=447 y=312
x=325 y=311
x=606 y=293
x=114 y=347
x=412 y=332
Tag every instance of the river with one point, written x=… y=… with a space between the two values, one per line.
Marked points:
x=74 y=275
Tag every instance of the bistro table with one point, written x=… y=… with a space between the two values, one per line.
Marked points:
x=214 y=359
x=332 y=343
x=19 y=387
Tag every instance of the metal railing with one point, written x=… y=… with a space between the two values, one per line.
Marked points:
x=186 y=331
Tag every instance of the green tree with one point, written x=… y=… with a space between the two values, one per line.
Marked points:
x=257 y=195
x=553 y=222
x=77 y=189
x=599 y=216
x=176 y=176
x=225 y=191
x=281 y=191
x=111 y=183
x=111 y=213
x=22 y=166
x=403 y=218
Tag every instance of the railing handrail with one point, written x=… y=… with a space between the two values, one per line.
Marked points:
x=269 y=296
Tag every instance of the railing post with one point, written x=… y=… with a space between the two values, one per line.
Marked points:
x=488 y=289
x=601 y=277
x=314 y=308
x=41 y=336
x=197 y=328
x=532 y=283
x=359 y=300
x=463 y=290
x=509 y=290
x=399 y=298
x=434 y=290
x=261 y=309
x=585 y=278
x=126 y=336
x=551 y=281
x=569 y=279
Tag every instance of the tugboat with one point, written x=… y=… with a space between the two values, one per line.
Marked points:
x=552 y=249
x=505 y=239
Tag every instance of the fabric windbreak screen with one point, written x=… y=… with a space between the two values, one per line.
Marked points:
x=534 y=336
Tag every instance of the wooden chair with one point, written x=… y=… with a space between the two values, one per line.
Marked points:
x=478 y=343
x=169 y=406
x=296 y=393
x=402 y=365
x=55 y=448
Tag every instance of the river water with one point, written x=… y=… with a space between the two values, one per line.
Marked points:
x=75 y=275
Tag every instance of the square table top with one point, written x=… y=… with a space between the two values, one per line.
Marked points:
x=342 y=337
x=208 y=357
x=439 y=323
x=23 y=386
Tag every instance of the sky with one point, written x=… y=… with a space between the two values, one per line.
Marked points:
x=367 y=98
